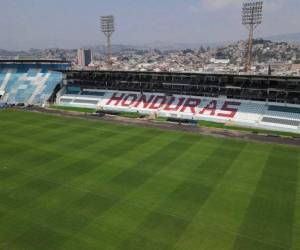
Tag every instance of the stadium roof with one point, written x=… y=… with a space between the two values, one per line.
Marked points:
x=34 y=61
x=187 y=74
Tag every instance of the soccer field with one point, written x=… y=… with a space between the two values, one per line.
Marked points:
x=75 y=184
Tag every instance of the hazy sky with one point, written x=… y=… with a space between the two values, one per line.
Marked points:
x=74 y=23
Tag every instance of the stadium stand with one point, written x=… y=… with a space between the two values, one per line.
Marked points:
x=252 y=101
x=247 y=113
x=29 y=82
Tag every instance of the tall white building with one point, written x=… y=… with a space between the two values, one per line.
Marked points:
x=84 y=57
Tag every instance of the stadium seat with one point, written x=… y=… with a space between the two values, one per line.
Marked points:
x=29 y=83
x=250 y=112
x=283 y=111
x=253 y=114
x=281 y=122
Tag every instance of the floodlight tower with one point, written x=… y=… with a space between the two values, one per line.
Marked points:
x=252 y=14
x=108 y=28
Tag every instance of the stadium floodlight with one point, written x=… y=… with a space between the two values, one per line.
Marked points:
x=252 y=15
x=108 y=28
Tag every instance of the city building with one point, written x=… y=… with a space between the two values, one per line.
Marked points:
x=84 y=57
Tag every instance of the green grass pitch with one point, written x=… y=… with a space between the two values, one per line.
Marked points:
x=75 y=184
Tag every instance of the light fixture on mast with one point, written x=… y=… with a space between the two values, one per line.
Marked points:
x=252 y=14
x=108 y=28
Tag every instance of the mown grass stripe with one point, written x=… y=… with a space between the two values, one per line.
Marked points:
x=63 y=219
x=104 y=154
x=40 y=166
x=190 y=195
x=78 y=167
x=180 y=207
x=54 y=155
x=40 y=160
x=134 y=177
x=296 y=225
x=269 y=218
x=218 y=221
x=143 y=170
x=74 y=172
